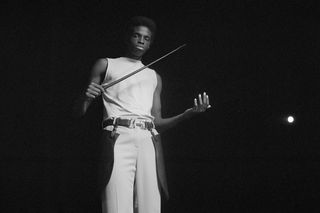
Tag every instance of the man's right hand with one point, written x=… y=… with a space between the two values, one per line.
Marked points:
x=94 y=90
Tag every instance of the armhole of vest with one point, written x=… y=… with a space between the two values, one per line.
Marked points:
x=106 y=70
x=156 y=77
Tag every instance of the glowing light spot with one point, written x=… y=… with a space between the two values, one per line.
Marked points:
x=290 y=119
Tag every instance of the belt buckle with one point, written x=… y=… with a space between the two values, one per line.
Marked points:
x=140 y=124
x=132 y=123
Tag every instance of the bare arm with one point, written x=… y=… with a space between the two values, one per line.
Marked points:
x=93 y=90
x=165 y=123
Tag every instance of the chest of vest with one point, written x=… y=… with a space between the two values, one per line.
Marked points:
x=132 y=97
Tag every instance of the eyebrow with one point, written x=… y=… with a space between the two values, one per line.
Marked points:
x=139 y=33
x=136 y=33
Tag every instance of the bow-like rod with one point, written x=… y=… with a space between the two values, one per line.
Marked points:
x=106 y=86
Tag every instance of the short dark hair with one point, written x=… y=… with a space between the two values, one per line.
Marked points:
x=141 y=21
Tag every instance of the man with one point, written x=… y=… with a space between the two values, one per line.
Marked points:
x=132 y=113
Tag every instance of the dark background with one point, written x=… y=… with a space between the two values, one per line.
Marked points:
x=258 y=60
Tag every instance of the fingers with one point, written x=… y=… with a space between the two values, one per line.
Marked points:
x=94 y=90
x=97 y=86
x=200 y=99
x=202 y=103
x=208 y=102
x=204 y=99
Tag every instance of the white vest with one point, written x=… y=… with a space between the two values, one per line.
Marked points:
x=132 y=97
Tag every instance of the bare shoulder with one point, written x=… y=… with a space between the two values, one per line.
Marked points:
x=100 y=66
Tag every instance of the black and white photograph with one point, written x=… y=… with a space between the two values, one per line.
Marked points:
x=160 y=107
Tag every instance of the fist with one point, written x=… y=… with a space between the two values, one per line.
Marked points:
x=94 y=90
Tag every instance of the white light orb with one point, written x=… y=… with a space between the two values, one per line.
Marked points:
x=290 y=119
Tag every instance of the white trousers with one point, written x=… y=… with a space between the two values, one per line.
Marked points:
x=133 y=185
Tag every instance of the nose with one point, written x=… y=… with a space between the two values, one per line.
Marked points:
x=140 y=40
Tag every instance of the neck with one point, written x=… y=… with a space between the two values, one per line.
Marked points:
x=132 y=56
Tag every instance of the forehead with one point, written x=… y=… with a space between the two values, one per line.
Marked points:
x=143 y=30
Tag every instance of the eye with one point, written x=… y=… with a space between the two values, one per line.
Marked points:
x=147 y=38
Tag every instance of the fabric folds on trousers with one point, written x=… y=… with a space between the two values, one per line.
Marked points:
x=107 y=158
x=161 y=170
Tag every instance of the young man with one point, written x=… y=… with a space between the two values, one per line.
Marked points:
x=132 y=112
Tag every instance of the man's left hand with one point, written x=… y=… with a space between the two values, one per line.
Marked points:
x=200 y=105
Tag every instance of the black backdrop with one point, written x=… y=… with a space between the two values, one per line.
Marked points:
x=258 y=61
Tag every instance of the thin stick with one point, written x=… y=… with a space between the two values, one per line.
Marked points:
x=140 y=69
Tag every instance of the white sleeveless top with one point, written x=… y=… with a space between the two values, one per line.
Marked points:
x=132 y=97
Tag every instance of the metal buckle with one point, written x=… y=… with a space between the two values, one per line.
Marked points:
x=132 y=123
x=141 y=124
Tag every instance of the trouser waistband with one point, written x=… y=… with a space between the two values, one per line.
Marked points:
x=130 y=123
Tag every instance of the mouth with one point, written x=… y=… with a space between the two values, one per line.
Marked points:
x=139 y=47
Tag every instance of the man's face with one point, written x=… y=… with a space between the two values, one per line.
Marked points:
x=139 y=41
